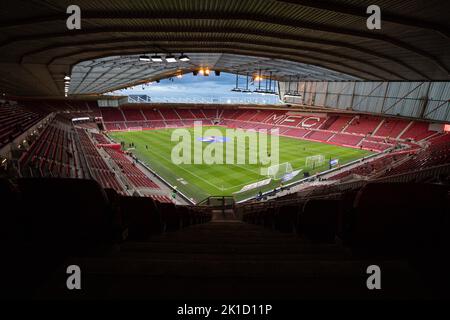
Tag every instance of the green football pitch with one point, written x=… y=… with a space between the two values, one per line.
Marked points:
x=199 y=181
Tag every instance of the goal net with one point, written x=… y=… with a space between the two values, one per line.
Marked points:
x=278 y=171
x=313 y=162
x=134 y=129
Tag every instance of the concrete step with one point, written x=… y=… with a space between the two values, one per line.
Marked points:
x=285 y=280
x=224 y=248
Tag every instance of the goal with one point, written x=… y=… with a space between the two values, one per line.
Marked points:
x=278 y=171
x=134 y=129
x=313 y=162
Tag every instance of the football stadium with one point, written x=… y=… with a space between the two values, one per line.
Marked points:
x=207 y=151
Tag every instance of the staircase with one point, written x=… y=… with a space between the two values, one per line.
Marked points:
x=229 y=259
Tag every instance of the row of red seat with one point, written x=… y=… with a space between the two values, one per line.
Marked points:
x=436 y=153
x=396 y=220
x=137 y=114
x=54 y=219
x=129 y=169
x=14 y=120
x=334 y=128
x=99 y=169
x=373 y=167
x=53 y=153
x=111 y=126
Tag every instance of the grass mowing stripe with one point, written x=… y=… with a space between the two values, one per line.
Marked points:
x=201 y=180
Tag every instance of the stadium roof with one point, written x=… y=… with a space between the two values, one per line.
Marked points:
x=311 y=39
x=110 y=73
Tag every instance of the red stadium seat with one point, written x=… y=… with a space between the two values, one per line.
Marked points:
x=141 y=216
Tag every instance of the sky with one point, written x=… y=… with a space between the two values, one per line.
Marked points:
x=200 y=87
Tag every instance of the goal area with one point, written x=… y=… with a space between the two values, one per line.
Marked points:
x=278 y=171
x=129 y=129
x=313 y=162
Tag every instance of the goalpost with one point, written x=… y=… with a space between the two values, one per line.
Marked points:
x=313 y=162
x=278 y=171
x=129 y=129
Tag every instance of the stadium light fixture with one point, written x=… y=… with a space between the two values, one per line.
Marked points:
x=206 y=73
x=156 y=58
x=144 y=58
x=201 y=71
x=184 y=58
x=171 y=59
x=236 y=88
x=66 y=77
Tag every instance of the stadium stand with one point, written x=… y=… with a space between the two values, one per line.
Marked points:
x=129 y=169
x=15 y=119
x=363 y=125
x=368 y=186
x=53 y=154
x=97 y=165
x=346 y=139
